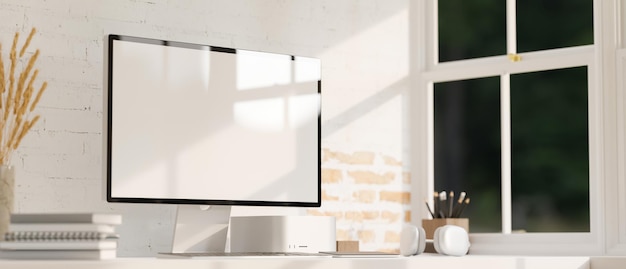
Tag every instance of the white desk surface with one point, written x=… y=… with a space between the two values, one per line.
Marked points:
x=421 y=261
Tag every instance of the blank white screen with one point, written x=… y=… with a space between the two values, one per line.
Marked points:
x=188 y=123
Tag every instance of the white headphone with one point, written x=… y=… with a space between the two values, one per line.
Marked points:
x=448 y=240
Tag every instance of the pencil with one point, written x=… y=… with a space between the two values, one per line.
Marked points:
x=458 y=205
x=443 y=199
x=429 y=211
x=451 y=203
x=467 y=201
x=436 y=196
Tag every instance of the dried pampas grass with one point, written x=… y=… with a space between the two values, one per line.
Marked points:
x=18 y=97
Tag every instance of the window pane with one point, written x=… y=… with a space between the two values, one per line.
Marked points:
x=471 y=29
x=550 y=151
x=467 y=147
x=553 y=24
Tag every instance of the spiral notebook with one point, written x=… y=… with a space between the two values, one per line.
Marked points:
x=57 y=235
x=100 y=218
x=58 y=245
x=99 y=254
x=61 y=227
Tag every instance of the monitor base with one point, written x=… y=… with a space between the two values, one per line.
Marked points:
x=200 y=229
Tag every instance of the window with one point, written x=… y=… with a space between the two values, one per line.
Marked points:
x=545 y=25
x=467 y=146
x=550 y=151
x=471 y=29
x=514 y=117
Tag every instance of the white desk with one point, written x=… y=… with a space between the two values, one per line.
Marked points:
x=430 y=261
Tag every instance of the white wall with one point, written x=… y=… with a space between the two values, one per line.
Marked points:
x=364 y=47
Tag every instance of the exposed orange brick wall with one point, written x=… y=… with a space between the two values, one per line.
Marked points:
x=369 y=194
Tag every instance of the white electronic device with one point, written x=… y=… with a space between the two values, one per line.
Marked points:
x=451 y=240
x=412 y=241
x=309 y=234
x=239 y=106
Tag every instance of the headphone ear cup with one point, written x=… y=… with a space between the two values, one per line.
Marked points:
x=436 y=240
x=451 y=240
x=421 y=243
x=412 y=240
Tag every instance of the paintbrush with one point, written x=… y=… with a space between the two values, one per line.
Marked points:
x=443 y=198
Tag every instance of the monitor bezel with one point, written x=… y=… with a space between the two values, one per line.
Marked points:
x=108 y=140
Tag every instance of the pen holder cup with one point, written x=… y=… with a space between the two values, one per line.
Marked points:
x=430 y=225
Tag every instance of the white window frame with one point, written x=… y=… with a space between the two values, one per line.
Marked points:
x=614 y=81
x=615 y=200
x=428 y=72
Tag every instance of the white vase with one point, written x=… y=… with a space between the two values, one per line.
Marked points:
x=7 y=190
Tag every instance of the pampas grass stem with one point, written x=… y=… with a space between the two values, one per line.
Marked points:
x=16 y=97
x=30 y=36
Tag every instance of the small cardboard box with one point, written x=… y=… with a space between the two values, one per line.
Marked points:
x=347 y=246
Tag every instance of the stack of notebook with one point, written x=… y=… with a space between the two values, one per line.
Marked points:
x=61 y=236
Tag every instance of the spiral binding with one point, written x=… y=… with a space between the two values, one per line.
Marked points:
x=56 y=235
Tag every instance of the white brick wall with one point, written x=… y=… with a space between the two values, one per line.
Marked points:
x=364 y=50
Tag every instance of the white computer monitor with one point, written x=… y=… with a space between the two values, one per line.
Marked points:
x=193 y=124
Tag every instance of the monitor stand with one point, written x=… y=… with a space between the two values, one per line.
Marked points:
x=201 y=229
